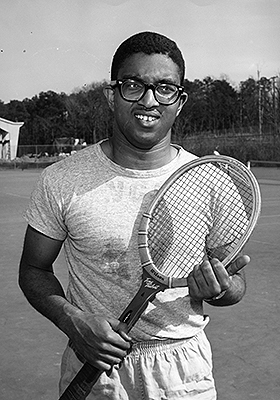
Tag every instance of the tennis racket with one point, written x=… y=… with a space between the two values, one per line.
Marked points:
x=207 y=208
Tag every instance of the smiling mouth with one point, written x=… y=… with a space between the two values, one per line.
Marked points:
x=147 y=118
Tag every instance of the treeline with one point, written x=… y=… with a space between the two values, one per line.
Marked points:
x=215 y=107
x=83 y=114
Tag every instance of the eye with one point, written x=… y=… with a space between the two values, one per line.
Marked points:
x=132 y=85
x=167 y=89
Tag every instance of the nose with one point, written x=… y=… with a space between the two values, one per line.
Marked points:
x=149 y=100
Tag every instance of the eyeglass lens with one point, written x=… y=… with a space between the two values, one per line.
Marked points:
x=165 y=93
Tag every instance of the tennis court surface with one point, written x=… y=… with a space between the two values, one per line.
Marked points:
x=244 y=337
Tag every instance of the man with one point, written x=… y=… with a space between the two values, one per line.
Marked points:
x=92 y=203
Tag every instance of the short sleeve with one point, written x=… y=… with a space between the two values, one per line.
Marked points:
x=45 y=210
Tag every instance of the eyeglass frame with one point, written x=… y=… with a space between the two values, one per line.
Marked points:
x=147 y=86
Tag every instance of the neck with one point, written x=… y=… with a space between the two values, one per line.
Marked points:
x=131 y=157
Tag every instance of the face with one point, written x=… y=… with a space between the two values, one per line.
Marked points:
x=146 y=123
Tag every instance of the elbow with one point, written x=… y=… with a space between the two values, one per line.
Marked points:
x=22 y=275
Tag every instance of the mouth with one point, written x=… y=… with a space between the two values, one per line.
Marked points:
x=146 y=118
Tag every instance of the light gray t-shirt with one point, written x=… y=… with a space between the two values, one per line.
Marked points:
x=95 y=206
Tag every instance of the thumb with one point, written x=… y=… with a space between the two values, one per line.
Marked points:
x=238 y=264
x=123 y=331
x=121 y=328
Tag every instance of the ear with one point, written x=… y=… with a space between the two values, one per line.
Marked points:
x=182 y=101
x=109 y=93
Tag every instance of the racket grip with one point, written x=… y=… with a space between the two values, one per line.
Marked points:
x=80 y=387
x=83 y=382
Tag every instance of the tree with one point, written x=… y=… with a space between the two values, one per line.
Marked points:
x=47 y=113
x=248 y=103
x=2 y=109
x=88 y=114
x=213 y=106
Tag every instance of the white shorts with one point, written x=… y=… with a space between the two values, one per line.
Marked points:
x=153 y=370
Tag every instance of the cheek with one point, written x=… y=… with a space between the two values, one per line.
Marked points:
x=170 y=116
x=123 y=118
x=122 y=108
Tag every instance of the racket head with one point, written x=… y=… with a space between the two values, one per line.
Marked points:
x=207 y=208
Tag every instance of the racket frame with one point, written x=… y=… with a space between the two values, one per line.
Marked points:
x=145 y=256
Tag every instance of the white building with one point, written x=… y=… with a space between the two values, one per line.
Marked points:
x=9 y=132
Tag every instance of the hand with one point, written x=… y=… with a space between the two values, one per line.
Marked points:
x=211 y=278
x=102 y=342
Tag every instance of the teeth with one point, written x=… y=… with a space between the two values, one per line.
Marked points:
x=145 y=117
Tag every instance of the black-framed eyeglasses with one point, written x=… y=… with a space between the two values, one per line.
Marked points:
x=134 y=90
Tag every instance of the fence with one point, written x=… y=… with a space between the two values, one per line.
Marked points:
x=242 y=146
x=38 y=156
x=38 y=150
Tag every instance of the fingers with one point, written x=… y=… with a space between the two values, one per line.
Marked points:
x=108 y=356
x=102 y=342
x=113 y=347
x=211 y=278
x=208 y=279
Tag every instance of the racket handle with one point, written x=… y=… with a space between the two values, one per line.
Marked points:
x=80 y=387
x=85 y=379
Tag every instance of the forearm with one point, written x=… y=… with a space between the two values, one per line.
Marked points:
x=102 y=342
x=45 y=293
x=234 y=293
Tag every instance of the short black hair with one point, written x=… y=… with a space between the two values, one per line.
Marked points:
x=147 y=43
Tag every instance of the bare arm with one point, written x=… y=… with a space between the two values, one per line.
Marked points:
x=101 y=341
x=36 y=277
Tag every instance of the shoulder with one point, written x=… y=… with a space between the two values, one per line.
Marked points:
x=184 y=156
x=76 y=174
x=72 y=167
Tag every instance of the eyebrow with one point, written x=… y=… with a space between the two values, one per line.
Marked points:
x=138 y=78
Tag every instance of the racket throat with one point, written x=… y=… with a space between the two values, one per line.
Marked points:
x=147 y=292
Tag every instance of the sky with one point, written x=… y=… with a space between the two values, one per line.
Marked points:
x=62 y=45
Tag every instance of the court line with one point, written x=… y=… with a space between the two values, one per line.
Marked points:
x=272 y=200
x=269 y=182
x=269 y=224
x=16 y=195
x=269 y=216
x=267 y=243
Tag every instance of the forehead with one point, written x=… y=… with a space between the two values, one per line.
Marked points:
x=150 y=68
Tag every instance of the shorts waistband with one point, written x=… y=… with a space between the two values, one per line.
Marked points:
x=152 y=345
x=158 y=345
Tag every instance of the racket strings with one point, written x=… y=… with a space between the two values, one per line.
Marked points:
x=204 y=213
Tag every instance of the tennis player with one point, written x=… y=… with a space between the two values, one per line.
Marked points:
x=91 y=204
